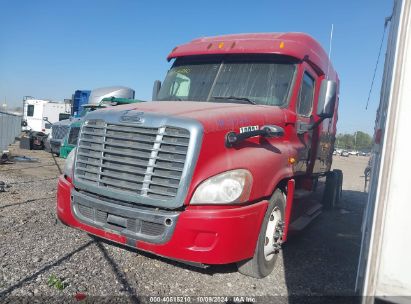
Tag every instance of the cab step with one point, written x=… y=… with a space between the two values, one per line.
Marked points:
x=300 y=193
x=303 y=221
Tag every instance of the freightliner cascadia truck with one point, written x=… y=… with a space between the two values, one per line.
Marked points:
x=220 y=166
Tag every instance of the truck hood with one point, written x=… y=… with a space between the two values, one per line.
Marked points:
x=213 y=116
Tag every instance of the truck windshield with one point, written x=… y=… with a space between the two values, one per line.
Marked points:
x=253 y=80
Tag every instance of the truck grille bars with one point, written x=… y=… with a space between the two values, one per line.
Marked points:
x=73 y=135
x=59 y=132
x=132 y=160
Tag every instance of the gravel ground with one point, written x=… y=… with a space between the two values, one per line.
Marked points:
x=35 y=248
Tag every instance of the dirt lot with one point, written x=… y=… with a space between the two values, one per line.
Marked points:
x=36 y=250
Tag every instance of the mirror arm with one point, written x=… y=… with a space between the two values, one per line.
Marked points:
x=303 y=127
x=317 y=123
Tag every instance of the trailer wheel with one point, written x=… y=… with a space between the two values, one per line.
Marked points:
x=269 y=240
x=330 y=196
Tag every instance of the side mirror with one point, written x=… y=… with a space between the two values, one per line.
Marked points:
x=327 y=99
x=156 y=89
x=45 y=119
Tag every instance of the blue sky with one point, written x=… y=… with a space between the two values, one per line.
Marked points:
x=49 y=49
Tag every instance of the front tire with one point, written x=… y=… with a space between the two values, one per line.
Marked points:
x=269 y=240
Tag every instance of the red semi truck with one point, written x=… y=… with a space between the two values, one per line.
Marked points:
x=219 y=167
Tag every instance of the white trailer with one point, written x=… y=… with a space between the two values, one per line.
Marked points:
x=384 y=272
x=37 y=110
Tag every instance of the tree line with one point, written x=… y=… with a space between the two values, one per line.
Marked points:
x=359 y=141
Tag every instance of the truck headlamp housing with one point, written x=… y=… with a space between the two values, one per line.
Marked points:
x=69 y=164
x=231 y=187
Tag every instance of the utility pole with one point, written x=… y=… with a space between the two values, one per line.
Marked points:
x=355 y=140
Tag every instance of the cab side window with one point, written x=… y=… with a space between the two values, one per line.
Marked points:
x=305 y=99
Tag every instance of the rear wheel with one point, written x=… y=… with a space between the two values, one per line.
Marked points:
x=269 y=240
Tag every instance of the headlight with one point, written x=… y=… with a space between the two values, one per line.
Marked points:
x=69 y=164
x=230 y=187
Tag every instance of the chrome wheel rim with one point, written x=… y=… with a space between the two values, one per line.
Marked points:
x=273 y=234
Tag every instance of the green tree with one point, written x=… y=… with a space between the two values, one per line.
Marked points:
x=363 y=141
x=357 y=141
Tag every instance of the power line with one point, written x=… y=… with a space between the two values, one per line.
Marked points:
x=378 y=60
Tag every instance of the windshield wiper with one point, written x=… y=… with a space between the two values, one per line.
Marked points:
x=235 y=98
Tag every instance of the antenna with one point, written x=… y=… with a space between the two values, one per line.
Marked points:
x=329 y=51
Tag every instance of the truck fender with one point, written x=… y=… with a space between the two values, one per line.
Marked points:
x=283 y=174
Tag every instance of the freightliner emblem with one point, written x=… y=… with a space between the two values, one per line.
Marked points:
x=133 y=117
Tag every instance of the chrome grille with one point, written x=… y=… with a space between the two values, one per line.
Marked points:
x=59 y=132
x=132 y=159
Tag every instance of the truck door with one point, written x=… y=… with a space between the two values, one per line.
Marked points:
x=304 y=109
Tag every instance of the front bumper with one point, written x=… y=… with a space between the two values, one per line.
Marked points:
x=205 y=235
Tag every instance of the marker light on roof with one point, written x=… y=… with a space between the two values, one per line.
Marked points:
x=220 y=45
x=282 y=45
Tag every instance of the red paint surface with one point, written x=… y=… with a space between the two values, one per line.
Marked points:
x=202 y=235
x=298 y=45
x=224 y=234
x=65 y=214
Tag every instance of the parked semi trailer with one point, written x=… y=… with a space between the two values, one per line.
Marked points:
x=218 y=168
x=384 y=272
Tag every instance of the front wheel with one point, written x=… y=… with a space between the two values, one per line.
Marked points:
x=269 y=240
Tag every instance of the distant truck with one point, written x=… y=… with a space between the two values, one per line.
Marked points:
x=82 y=99
x=59 y=130
x=39 y=114
x=224 y=161
x=70 y=140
